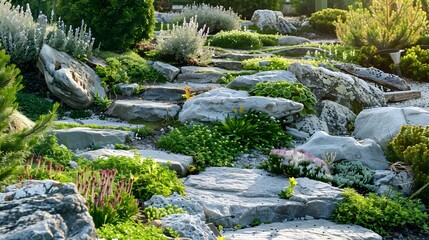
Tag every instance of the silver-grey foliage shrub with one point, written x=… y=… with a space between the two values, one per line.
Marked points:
x=20 y=36
x=184 y=44
x=215 y=18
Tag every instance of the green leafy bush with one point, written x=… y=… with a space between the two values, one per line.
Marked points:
x=352 y=174
x=305 y=7
x=411 y=145
x=324 y=20
x=49 y=148
x=254 y=130
x=116 y=24
x=237 y=39
x=415 y=64
x=184 y=44
x=293 y=91
x=245 y=8
x=151 y=177
x=207 y=146
x=32 y=105
x=273 y=63
x=215 y=19
x=153 y=213
x=380 y=213
x=383 y=25
x=130 y=230
x=297 y=163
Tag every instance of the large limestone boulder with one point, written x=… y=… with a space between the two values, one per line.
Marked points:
x=144 y=110
x=246 y=82
x=105 y=153
x=341 y=88
x=216 y=104
x=338 y=118
x=232 y=196
x=310 y=124
x=269 y=19
x=72 y=81
x=44 y=210
x=367 y=151
x=304 y=230
x=382 y=124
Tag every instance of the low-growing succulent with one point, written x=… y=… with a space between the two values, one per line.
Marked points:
x=293 y=91
x=153 y=213
x=352 y=174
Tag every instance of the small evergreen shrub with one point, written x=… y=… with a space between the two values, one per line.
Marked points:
x=237 y=39
x=381 y=214
x=383 y=25
x=323 y=20
x=293 y=91
x=245 y=8
x=184 y=44
x=297 y=163
x=411 y=145
x=268 y=39
x=116 y=24
x=254 y=130
x=153 y=213
x=415 y=64
x=130 y=230
x=273 y=63
x=215 y=19
x=151 y=177
x=352 y=174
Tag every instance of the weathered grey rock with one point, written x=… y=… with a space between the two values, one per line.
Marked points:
x=304 y=230
x=188 y=226
x=200 y=74
x=300 y=51
x=180 y=163
x=385 y=180
x=375 y=75
x=192 y=207
x=18 y=122
x=338 y=118
x=127 y=89
x=105 y=153
x=341 y=88
x=44 y=210
x=292 y=40
x=310 y=124
x=73 y=164
x=169 y=71
x=232 y=196
x=382 y=124
x=268 y=19
x=284 y=26
x=72 y=81
x=144 y=110
x=368 y=152
x=163 y=93
x=227 y=64
x=246 y=82
x=82 y=138
x=216 y=104
x=242 y=56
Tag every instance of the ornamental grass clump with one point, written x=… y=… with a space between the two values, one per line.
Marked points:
x=184 y=44
x=216 y=18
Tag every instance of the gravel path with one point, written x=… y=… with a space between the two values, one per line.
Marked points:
x=422 y=102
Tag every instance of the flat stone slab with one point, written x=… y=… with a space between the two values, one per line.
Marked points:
x=82 y=138
x=303 y=230
x=232 y=196
x=399 y=96
x=163 y=93
x=246 y=82
x=179 y=163
x=105 y=153
x=242 y=56
x=201 y=74
x=144 y=110
x=227 y=64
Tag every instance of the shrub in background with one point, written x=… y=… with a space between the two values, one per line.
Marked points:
x=116 y=24
x=288 y=90
x=323 y=20
x=236 y=40
x=245 y=8
x=386 y=24
x=352 y=174
x=151 y=177
x=215 y=19
x=306 y=7
x=415 y=64
x=381 y=214
x=184 y=44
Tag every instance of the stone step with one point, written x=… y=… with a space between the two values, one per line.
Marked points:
x=201 y=74
x=227 y=64
x=232 y=196
x=82 y=138
x=143 y=110
x=163 y=93
x=179 y=163
x=241 y=56
x=303 y=230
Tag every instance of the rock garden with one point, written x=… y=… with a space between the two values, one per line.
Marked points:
x=191 y=122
